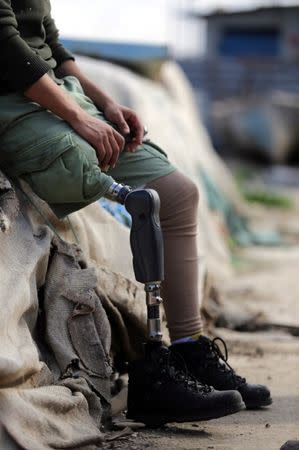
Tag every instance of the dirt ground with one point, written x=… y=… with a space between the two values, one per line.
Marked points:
x=271 y=358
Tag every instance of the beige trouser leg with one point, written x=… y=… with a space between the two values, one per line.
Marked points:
x=178 y=215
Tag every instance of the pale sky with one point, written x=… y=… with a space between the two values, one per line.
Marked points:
x=151 y=21
x=144 y=19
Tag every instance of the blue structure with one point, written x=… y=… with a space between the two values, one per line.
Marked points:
x=248 y=52
x=250 y=42
x=269 y=31
x=117 y=51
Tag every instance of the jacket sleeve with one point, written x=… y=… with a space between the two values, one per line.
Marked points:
x=59 y=52
x=20 y=66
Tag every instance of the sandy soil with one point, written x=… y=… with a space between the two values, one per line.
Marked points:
x=269 y=358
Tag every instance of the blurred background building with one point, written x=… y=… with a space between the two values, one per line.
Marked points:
x=241 y=57
x=267 y=32
x=248 y=52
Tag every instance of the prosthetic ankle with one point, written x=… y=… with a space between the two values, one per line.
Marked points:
x=147 y=247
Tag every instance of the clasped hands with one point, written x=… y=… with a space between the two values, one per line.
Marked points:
x=107 y=141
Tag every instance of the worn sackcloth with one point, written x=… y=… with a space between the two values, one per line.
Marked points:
x=61 y=167
x=54 y=332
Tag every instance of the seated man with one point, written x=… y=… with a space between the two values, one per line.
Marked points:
x=66 y=138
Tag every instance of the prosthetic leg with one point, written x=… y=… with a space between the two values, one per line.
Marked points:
x=160 y=389
x=147 y=247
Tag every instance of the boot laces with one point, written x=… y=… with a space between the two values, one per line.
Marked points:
x=219 y=360
x=174 y=367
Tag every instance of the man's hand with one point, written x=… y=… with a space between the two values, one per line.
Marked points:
x=123 y=118
x=106 y=141
x=127 y=123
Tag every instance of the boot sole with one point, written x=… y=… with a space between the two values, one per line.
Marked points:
x=257 y=405
x=157 y=420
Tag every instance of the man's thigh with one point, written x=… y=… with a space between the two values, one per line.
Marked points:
x=137 y=169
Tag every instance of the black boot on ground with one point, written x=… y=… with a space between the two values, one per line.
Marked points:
x=290 y=445
x=162 y=391
x=208 y=365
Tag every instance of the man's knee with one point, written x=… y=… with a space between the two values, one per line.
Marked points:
x=184 y=190
x=191 y=190
x=179 y=196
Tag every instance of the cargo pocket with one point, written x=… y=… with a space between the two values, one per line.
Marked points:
x=82 y=162
x=73 y=177
x=37 y=156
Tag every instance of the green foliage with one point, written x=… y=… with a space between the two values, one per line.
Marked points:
x=267 y=198
x=259 y=194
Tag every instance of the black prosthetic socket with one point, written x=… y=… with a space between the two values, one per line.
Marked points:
x=147 y=247
x=146 y=235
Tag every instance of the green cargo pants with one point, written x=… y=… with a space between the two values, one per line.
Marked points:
x=59 y=165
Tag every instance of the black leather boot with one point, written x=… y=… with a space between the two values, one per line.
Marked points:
x=208 y=365
x=161 y=390
x=290 y=445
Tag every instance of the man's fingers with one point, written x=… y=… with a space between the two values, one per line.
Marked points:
x=116 y=150
x=119 y=120
x=122 y=125
x=108 y=148
x=139 y=131
x=100 y=151
x=119 y=139
x=136 y=128
x=132 y=146
x=108 y=153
